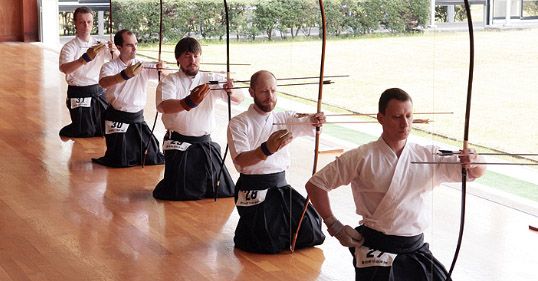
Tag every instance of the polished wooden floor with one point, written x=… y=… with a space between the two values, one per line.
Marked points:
x=64 y=218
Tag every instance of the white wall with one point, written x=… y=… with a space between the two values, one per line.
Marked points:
x=49 y=22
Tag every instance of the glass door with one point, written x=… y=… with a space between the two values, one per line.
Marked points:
x=499 y=9
x=530 y=9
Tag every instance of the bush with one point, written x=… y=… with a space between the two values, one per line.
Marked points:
x=253 y=18
x=405 y=15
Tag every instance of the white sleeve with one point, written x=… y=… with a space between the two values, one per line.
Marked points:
x=150 y=71
x=447 y=172
x=68 y=54
x=222 y=95
x=238 y=140
x=339 y=172
x=107 y=70
x=166 y=90
x=300 y=130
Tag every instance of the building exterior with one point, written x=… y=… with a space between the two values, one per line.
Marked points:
x=493 y=11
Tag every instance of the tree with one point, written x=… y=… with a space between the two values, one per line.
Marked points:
x=265 y=15
x=176 y=20
x=210 y=18
x=238 y=19
x=335 y=17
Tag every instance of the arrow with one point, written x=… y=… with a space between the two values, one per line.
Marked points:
x=415 y=121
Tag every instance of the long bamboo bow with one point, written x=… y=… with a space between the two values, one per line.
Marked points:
x=110 y=26
x=318 y=129
x=465 y=137
x=159 y=77
x=216 y=188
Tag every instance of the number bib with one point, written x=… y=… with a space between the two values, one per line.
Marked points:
x=367 y=257
x=80 y=102
x=246 y=198
x=175 y=145
x=112 y=127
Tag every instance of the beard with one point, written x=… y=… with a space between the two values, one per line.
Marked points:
x=191 y=71
x=265 y=107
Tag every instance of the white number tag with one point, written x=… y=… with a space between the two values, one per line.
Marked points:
x=175 y=145
x=367 y=257
x=80 y=102
x=250 y=197
x=112 y=127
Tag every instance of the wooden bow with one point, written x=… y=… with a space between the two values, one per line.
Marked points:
x=159 y=77
x=110 y=26
x=160 y=35
x=318 y=129
x=465 y=137
x=216 y=188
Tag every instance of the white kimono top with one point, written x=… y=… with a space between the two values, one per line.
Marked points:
x=199 y=121
x=130 y=95
x=87 y=74
x=250 y=129
x=389 y=192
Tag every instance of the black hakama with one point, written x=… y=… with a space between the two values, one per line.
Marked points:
x=412 y=259
x=86 y=106
x=192 y=165
x=264 y=227
x=126 y=147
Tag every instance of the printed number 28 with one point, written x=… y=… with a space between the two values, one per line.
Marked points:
x=251 y=195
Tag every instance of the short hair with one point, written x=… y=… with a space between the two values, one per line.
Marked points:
x=81 y=10
x=391 y=94
x=118 y=37
x=254 y=78
x=187 y=44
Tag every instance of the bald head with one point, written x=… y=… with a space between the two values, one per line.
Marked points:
x=263 y=90
x=259 y=76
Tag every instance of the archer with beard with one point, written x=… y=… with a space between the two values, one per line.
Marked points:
x=266 y=203
x=192 y=159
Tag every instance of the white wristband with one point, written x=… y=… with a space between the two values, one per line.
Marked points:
x=335 y=228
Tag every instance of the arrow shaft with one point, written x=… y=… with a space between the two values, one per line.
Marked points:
x=373 y=114
x=281 y=85
x=297 y=78
x=449 y=153
x=418 y=121
x=472 y=163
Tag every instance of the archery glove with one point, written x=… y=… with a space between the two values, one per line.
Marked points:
x=131 y=71
x=275 y=141
x=346 y=235
x=196 y=96
x=91 y=53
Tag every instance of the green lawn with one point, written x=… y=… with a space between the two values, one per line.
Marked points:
x=511 y=185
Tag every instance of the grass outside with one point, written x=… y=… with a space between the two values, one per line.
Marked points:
x=432 y=67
